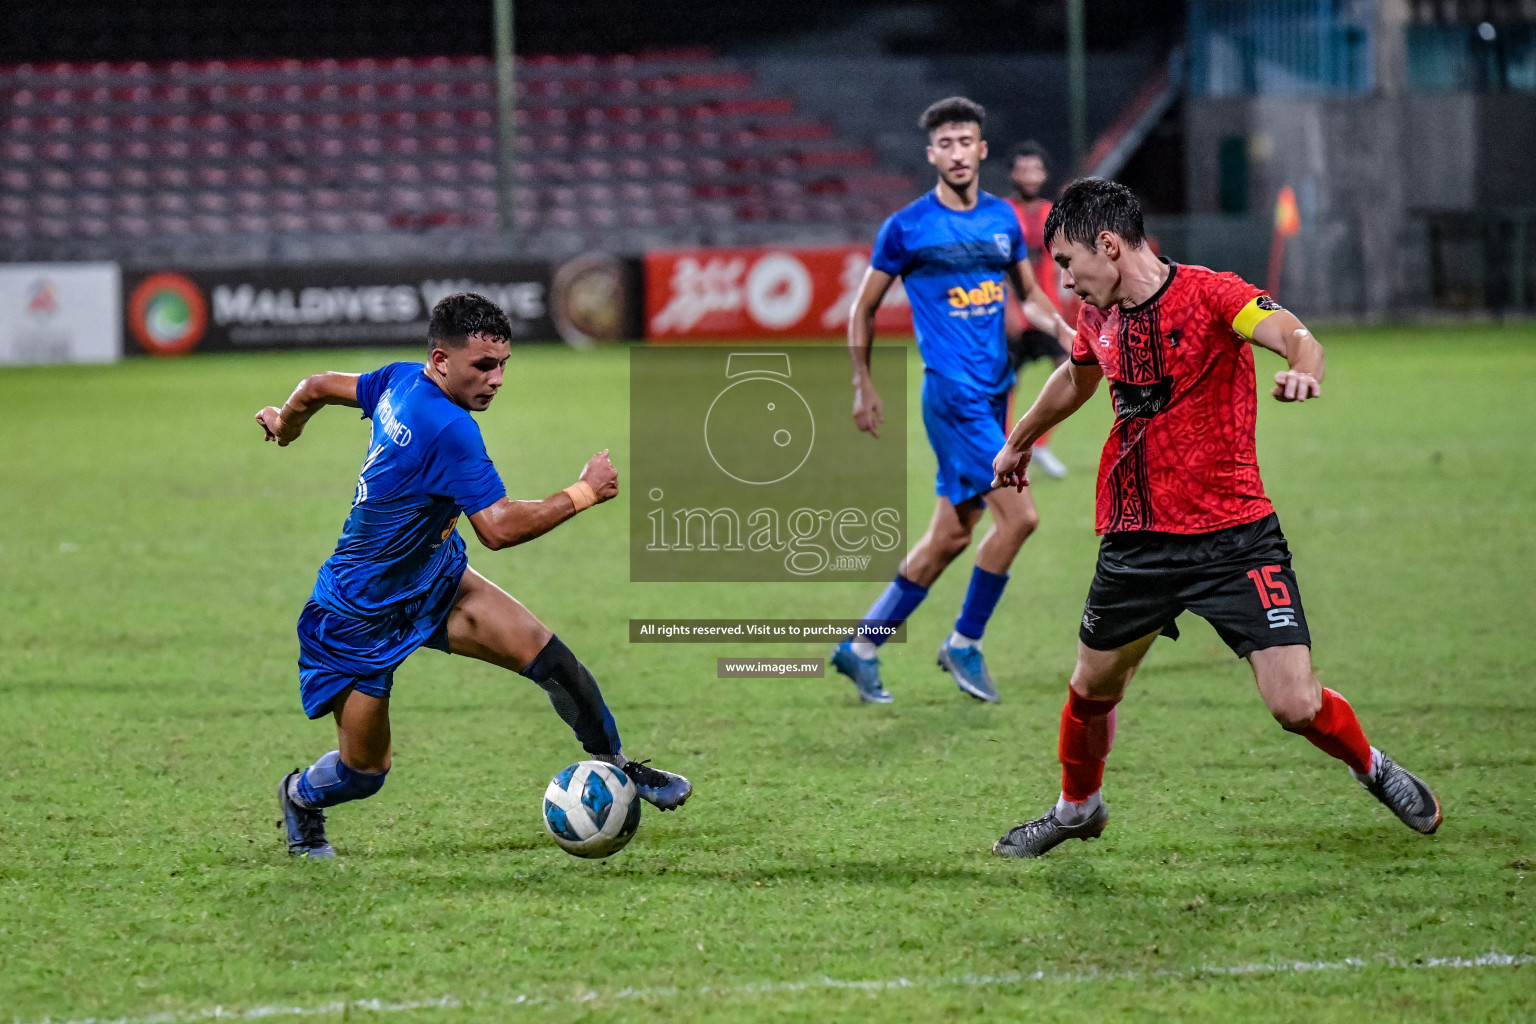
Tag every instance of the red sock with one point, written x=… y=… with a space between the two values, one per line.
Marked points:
x=1087 y=733
x=1336 y=731
x=1045 y=438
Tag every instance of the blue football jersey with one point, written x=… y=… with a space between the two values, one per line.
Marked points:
x=954 y=265
x=426 y=464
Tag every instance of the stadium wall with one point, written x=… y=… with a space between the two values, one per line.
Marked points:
x=1370 y=174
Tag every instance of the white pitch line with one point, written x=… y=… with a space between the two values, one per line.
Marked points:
x=1380 y=960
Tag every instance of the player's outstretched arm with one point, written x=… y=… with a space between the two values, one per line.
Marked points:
x=313 y=393
x=1037 y=306
x=1064 y=393
x=868 y=413
x=508 y=523
x=1282 y=333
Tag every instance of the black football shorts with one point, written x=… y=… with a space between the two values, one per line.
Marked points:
x=1238 y=579
x=1030 y=344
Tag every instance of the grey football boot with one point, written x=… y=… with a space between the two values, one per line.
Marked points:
x=1403 y=792
x=1035 y=838
x=305 y=825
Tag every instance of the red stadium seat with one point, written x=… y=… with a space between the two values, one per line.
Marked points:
x=600 y=217
x=92 y=227
x=130 y=226
x=91 y=203
x=637 y=194
x=673 y=192
x=132 y=149
x=210 y=224
x=82 y=133
x=639 y=216
x=172 y=225
x=402 y=198
x=50 y=227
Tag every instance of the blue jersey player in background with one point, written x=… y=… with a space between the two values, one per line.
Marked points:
x=399 y=578
x=954 y=249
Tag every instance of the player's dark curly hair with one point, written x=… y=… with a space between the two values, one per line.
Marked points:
x=456 y=317
x=954 y=110
x=1092 y=205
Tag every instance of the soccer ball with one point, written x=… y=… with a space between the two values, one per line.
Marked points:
x=592 y=809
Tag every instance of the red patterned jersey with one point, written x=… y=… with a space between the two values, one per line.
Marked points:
x=1181 y=457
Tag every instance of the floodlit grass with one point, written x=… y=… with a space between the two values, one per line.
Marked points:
x=155 y=555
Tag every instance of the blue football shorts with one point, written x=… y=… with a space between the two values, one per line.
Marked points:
x=337 y=651
x=966 y=428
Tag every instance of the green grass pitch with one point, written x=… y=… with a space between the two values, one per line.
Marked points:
x=835 y=861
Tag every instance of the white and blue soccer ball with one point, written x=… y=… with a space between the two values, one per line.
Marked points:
x=592 y=809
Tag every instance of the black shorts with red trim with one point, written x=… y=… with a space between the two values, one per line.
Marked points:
x=1238 y=579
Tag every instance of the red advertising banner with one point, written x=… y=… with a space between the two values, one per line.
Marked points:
x=755 y=293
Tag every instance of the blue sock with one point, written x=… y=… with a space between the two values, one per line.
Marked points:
x=980 y=599
x=329 y=782
x=900 y=600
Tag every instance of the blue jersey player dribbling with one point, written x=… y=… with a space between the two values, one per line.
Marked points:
x=400 y=580
x=955 y=249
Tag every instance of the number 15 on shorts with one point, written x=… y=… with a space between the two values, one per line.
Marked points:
x=1274 y=595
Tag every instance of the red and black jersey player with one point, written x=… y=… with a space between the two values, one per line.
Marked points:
x=1180 y=507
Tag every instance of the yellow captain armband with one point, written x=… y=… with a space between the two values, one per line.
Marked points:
x=1251 y=315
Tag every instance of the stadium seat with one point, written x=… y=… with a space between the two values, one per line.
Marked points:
x=368 y=144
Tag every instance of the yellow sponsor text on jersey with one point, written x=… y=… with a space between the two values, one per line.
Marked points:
x=985 y=293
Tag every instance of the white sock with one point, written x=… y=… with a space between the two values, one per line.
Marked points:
x=293 y=792
x=1369 y=776
x=864 y=649
x=1070 y=813
x=961 y=640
